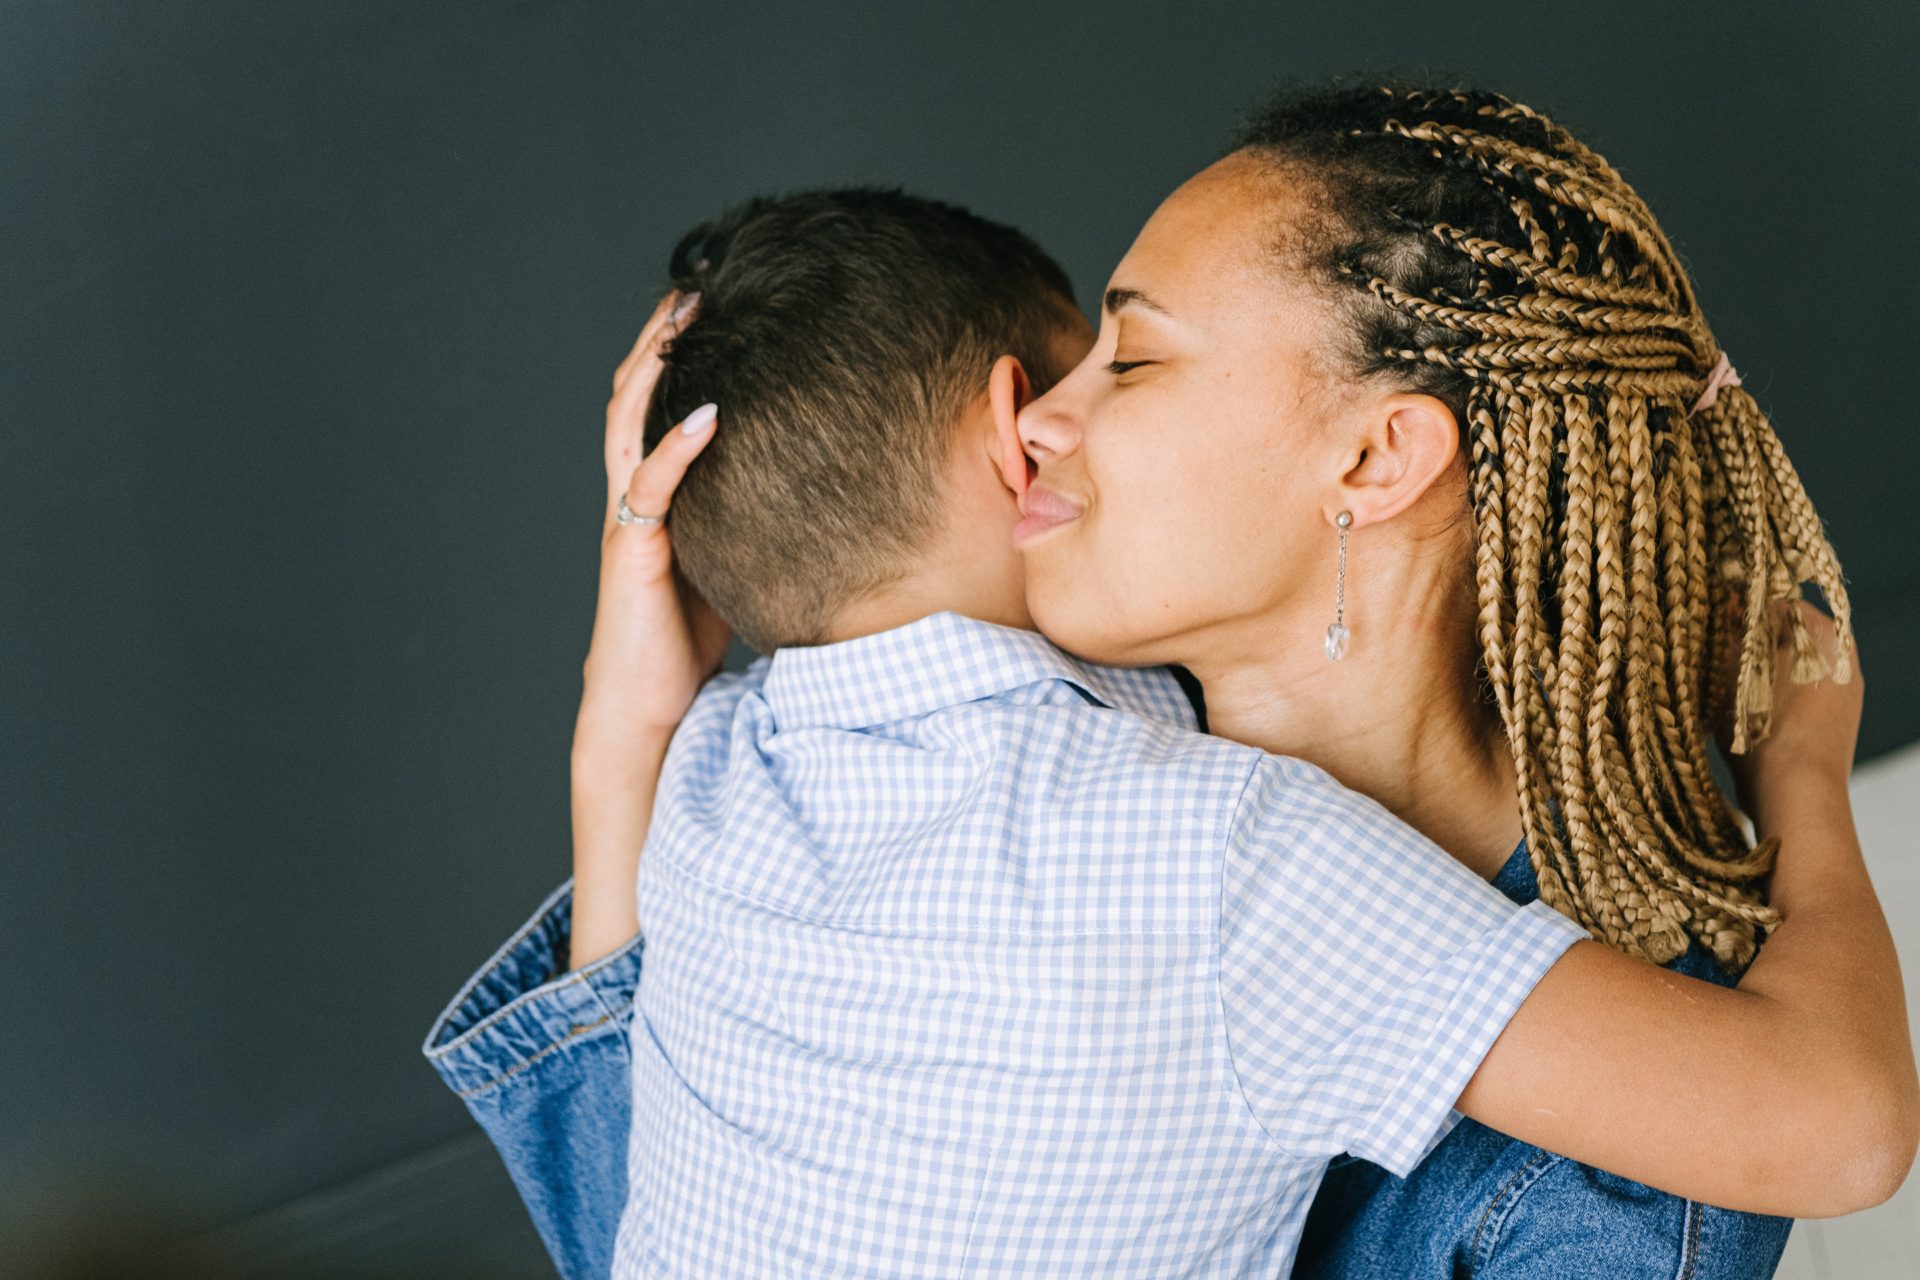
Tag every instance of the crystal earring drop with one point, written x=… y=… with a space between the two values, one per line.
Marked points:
x=1337 y=634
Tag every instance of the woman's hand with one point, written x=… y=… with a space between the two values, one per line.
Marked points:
x=1814 y=727
x=654 y=643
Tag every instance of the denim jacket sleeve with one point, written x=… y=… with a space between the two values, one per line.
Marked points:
x=540 y=1058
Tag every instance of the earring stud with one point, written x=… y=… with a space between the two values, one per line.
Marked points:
x=1337 y=634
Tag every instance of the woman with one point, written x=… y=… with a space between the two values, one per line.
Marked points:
x=1447 y=367
x=1405 y=435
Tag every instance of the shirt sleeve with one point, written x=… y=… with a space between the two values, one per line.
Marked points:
x=540 y=1058
x=1364 y=973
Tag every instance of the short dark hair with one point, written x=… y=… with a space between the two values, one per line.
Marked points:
x=841 y=332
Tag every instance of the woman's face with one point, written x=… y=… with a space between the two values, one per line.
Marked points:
x=1184 y=485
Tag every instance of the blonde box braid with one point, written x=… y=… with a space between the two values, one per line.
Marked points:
x=1479 y=252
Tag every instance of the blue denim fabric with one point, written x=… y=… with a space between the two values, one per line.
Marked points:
x=1487 y=1206
x=540 y=1058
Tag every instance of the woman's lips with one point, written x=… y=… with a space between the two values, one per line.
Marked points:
x=1043 y=509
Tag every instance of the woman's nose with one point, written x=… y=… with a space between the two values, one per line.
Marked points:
x=1050 y=426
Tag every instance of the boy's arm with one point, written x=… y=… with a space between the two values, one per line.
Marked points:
x=1793 y=1094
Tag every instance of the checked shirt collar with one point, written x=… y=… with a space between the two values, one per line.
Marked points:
x=944 y=660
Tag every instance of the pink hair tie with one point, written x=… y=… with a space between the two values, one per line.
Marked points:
x=1723 y=375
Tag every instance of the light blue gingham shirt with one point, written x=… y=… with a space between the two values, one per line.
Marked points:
x=964 y=958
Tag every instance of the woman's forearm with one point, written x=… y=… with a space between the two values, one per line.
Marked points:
x=1831 y=969
x=613 y=790
x=654 y=643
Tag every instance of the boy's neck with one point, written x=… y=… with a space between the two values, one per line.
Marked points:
x=969 y=567
x=915 y=598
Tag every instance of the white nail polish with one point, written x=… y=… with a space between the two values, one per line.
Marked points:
x=684 y=307
x=700 y=419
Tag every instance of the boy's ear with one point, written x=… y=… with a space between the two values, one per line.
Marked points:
x=1008 y=392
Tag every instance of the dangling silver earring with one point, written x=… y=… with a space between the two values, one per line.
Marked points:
x=1337 y=634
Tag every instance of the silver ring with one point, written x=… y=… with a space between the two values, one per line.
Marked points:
x=625 y=515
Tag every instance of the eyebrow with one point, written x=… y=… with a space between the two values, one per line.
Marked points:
x=1117 y=299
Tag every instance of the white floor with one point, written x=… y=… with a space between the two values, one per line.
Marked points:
x=1882 y=1243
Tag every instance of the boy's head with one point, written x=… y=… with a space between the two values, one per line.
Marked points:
x=843 y=334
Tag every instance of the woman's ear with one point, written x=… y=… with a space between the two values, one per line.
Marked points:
x=1409 y=445
x=1008 y=391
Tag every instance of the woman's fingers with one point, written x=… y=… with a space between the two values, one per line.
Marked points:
x=663 y=315
x=654 y=641
x=669 y=317
x=650 y=490
x=633 y=384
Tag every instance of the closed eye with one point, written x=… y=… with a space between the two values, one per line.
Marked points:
x=1117 y=367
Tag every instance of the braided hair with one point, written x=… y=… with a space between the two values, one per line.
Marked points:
x=1628 y=548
